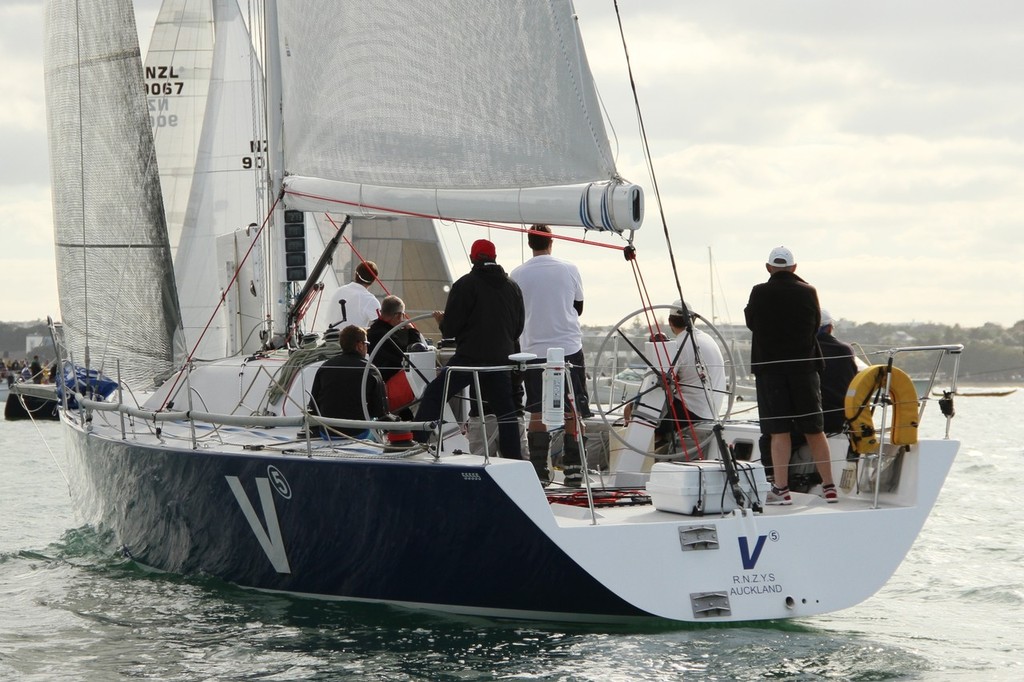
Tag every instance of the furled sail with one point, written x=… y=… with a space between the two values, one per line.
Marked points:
x=395 y=108
x=114 y=274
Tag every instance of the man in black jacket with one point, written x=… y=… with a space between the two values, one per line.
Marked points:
x=840 y=368
x=784 y=316
x=336 y=388
x=485 y=315
x=390 y=357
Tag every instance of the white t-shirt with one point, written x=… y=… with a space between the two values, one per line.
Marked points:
x=689 y=381
x=360 y=306
x=550 y=286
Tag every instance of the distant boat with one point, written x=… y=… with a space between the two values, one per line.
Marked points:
x=978 y=392
x=31 y=401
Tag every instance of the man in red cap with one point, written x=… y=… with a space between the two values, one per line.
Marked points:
x=485 y=315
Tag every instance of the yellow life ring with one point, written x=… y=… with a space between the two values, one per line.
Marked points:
x=859 y=410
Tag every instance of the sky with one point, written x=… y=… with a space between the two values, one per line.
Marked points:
x=881 y=141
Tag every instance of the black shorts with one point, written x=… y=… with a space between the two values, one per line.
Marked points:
x=790 y=402
x=533 y=380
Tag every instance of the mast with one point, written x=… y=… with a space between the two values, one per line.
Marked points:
x=279 y=289
x=711 y=276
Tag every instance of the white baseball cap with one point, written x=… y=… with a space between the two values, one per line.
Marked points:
x=826 y=318
x=781 y=257
x=677 y=308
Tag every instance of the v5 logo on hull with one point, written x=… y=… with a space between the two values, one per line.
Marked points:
x=270 y=538
x=750 y=560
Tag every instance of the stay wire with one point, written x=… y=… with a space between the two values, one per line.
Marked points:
x=647 y=156
x=669 y=380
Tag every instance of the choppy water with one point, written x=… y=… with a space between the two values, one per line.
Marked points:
x=71 y=609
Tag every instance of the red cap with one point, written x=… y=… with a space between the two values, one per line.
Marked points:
x=482 y=250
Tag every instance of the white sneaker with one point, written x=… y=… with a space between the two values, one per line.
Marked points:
x=779 y=496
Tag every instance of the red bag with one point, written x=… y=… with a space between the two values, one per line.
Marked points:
x=399 y=391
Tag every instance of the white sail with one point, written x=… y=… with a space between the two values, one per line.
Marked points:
x=226 y=191
x=114 y=275
x=177 y=70
x=492 y=117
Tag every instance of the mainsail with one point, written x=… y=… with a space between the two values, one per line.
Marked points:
x=114 y=274
x=494 y=125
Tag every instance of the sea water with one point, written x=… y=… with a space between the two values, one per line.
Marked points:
x=72 y=609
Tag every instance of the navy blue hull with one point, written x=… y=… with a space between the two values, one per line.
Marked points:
x=396 y=531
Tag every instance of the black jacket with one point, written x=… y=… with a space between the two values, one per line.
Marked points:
x=839 y=371
x=485 y=315
x=784 y=316
x=389 y=357
x=336 y=392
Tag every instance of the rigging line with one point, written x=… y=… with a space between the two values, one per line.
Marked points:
x=39 y=432
x=356 y=251
x=647 y=153
x=669 y=381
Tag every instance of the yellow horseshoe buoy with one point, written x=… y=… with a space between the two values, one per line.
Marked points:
x=903 y=396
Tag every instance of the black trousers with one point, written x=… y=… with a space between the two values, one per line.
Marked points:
x=497 y=392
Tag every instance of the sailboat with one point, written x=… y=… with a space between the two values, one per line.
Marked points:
x=386 y=111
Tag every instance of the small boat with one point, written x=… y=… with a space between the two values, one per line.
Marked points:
x=445 y=112
x=31 y=401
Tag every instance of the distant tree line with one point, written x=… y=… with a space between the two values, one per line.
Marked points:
x=992 y=353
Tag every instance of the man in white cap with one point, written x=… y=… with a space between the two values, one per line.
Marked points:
x=840 y=368
x=783 y=315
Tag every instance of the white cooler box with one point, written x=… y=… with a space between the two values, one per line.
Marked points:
x=700 y=487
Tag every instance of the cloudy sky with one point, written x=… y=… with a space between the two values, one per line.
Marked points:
x=882 y=141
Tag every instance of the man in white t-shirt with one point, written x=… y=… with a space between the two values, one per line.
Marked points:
x=353 y=303
x=553 y=296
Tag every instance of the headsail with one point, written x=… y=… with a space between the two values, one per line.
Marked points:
x=177 y=69
x=114 y=273
x=226 y=193
x=474 y=119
